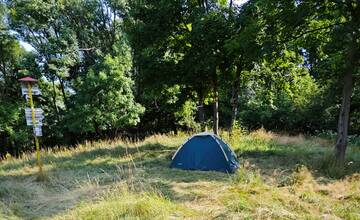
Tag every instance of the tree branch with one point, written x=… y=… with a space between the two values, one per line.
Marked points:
x=87 y=49
x=312 y=31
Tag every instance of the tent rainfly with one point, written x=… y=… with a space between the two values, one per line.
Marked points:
x=207 y=152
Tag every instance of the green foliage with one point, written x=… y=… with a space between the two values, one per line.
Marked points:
x=272 y=64
x=81 y=56
x=278 y=94
x=104 y=98
x=186 y=115
x=11 y=124
x=13 y=133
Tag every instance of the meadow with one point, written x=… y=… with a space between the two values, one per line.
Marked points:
x=281 y=177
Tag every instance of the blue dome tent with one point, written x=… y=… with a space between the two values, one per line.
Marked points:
x=205 y=151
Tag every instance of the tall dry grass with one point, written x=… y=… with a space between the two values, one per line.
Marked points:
x=281 y=177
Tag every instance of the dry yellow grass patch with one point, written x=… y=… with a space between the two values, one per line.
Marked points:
x=280 y=179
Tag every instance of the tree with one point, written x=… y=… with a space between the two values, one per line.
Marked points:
x=13 y=132
x=336 y=23
x=206 y=59
x=244 y=47
x=278 y=93
x=104 y=101
x=187 y=50
x=73 y=41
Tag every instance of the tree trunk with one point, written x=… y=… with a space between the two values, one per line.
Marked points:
x=353 y=58
x=216 y=112
x=234 y=100
x=3 y=70
x=201 y=110
x=344 y=117
x=54 y=99
x=63 y=92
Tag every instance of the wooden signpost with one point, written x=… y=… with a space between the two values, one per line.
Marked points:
x=34 y=116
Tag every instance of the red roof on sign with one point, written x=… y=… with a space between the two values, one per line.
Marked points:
x=27 y=79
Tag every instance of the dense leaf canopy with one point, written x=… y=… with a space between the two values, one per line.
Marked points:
x=132 y=68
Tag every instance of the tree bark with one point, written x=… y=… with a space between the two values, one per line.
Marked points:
x=344 y=117
x=234 y=100
x=63 y=92
x=54 y=99
x=216 y=112
x=201 y=110
x=353 y=58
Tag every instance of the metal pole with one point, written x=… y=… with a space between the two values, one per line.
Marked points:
x=34 y=126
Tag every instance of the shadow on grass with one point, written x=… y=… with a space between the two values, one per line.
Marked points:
x=286 y=158
x=147 y=163
x=153 y=159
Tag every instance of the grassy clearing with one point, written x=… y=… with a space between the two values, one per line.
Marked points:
x=281 y=177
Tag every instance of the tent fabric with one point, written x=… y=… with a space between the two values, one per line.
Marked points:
x=207 y=152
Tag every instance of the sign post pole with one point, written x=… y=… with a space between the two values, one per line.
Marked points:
x=34 y=125
x=33 y=115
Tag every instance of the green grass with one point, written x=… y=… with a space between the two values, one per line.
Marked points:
x=281 y=177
